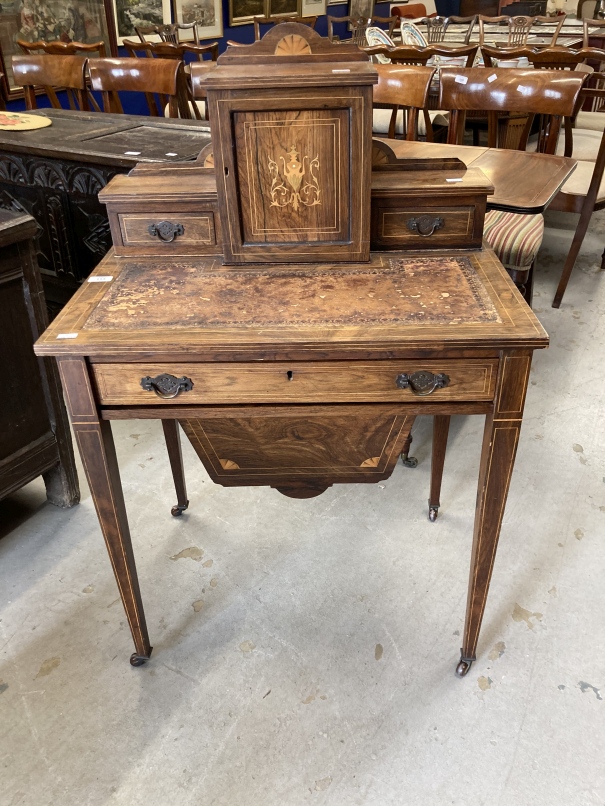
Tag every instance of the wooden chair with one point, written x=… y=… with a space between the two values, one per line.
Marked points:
x=519 y=28
x=404 y=87
x=58 y=48
x=51 y=72
x=470 y=22
x=586 y=24
x=163 y=77
x=381 y=22
x=179 y=52
x=258 y=21
x=410 y=54
x=583 y=193
x=357 y=25
x=435 y=28
x=515 y=238
x=168 y=32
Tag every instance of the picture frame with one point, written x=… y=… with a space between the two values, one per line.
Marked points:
x=51 y=20
x=207 y=13
x=283 y=8
x=337 y=2
x=243 y=12
x=313 y=8
x=130 y=13
x=361 y=8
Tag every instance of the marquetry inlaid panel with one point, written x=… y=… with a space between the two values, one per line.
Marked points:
x=293 y=169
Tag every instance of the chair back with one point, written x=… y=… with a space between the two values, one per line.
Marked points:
x=51 y=72
x=508 y=95
x=410 y=54
x=357 y=26
x=391 y=21
x=435 y=28
x=586 y=25
x=258 y=21
x=470 y=22
x=561 y=58
x=171 y=50
x=519 y=27
x=153 y=77
x=169 y=32
x=58 y=48
x=404 y=86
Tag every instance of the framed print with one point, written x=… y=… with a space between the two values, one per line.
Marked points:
x=51 y=20
x=242 y=12
x=361 y=8
x=312 y=8
x=283 y=8
x=207 y=13
x=337 y=2
x=129 y=14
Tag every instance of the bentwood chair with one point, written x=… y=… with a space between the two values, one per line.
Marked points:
x=59 y=48
x=51 y=72
x=518 y=28
x=402 y=88
x=258 y=21
x=179 y=52
x=162 y=77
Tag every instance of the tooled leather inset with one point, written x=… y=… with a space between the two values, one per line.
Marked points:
x=435 y=290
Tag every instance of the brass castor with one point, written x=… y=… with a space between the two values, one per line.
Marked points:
x=409 y=461
x=178 y=509
x=464 y=666
x=433 y=512
x=138 y=660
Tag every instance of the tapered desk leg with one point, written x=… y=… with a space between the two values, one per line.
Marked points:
x=500 y=440
x=175 y=455
x=408 y=461
x=441 y=427
x=95 y=442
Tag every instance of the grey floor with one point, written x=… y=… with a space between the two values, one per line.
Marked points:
x=305 y=650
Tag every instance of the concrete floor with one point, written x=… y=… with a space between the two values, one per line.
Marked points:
x=305 y=650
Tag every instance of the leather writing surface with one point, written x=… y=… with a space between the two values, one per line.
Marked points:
x=410 y=290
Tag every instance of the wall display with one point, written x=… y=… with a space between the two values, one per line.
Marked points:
x=50 y=20
x=129 y=14
x=361 y=8
x=313 y=8
x=207 y=13
x=243 y=12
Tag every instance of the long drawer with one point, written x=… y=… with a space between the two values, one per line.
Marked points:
x=278 y=382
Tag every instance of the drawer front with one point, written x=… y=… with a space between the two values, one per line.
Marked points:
x=420 y=227
x=277 y=382
x=166 y=232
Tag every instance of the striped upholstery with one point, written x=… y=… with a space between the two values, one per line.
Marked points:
x=514 y=237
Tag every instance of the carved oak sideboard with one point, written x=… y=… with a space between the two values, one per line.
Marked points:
x=55 y=174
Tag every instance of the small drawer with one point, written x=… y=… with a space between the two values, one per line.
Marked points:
x=165 y=232
x=427 y=226
x=278 y=382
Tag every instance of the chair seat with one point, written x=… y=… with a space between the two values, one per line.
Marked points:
x=515 y=238
x=579 y=182
x=586 y=143
x=594 y=121
x=382 y=118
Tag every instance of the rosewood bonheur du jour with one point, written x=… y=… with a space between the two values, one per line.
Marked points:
x=243 y=303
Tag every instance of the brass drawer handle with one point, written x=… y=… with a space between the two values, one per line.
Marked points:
x=422 y=383
x=166 y=231
x=425 y=225
x=166 y=386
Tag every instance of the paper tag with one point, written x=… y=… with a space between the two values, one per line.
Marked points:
x=67 y=336
x=171 y=154
x=132 y=153
x=524 y=90
x=461 y=79
x=457 y=179
x=341 y=71
x=101 y=278
x=491 y=78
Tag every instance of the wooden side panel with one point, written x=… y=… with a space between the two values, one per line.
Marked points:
x=287 y=446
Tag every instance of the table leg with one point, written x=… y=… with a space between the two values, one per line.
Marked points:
x=175 y=455
x=441 y=427
x=95 y=442
x=500 y=440
x=408 y=461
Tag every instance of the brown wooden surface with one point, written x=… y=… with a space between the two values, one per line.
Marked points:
x=34 y=438
x=67 y=72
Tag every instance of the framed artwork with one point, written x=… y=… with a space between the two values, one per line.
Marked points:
x=361 y=8
x=207 y=13
x=242 y=12
x=312 y=8
x=51 y=20
x=337 y=2
x=139 y=13
x=283 y=8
